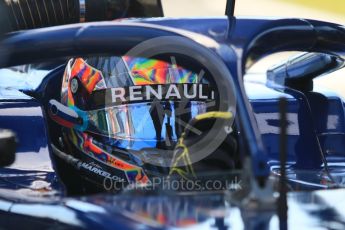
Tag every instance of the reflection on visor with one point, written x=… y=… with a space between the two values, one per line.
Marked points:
x=144 y=121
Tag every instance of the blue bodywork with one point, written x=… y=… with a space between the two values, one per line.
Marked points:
x=32 y=196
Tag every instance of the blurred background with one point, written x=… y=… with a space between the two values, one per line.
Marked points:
x=325 y=10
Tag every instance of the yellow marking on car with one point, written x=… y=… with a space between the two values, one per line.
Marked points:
x=216 y=114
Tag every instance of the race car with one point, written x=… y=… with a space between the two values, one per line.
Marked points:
x=157 y=123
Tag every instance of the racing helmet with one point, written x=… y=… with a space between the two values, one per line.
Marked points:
x=130 y=119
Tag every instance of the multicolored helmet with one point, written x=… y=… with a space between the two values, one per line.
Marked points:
x=124 y=117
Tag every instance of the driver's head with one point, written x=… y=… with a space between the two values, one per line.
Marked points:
x=134 y=118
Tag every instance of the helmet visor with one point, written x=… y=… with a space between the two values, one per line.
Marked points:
x=148 y=122
x=139 y=99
